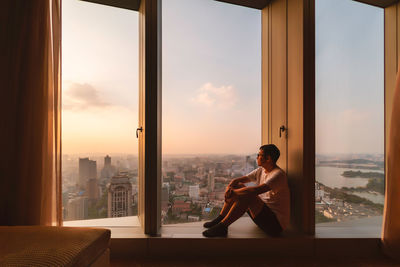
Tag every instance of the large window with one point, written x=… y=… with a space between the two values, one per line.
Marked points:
x=211 y=104
x=349 y=117
x=99 y=114
x=211 y=109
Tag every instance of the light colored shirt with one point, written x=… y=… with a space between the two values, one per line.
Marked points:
x=278 y=198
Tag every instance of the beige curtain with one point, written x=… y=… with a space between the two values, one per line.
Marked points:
x=30 y=173
x=391 y=223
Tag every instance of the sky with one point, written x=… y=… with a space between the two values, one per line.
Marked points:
x=211 y=78
x=349 y=77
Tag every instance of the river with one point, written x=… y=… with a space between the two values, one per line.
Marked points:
x=332 y=177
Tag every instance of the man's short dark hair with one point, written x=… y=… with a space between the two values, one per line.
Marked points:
x=272 y=151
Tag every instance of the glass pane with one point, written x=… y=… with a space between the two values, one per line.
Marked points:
x=211 y=104
x=99 y=114
x=349 y=118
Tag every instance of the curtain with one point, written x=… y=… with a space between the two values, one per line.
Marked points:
x=30 y=165
x=391 y=223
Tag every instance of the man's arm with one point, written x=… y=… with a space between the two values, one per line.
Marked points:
x=251 y=190
x=236 y=181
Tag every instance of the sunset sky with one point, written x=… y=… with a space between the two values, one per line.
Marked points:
x=212 y=78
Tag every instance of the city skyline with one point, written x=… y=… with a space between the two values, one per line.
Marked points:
x=193 y=188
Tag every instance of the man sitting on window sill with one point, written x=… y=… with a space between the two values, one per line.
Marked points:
x=267 y=203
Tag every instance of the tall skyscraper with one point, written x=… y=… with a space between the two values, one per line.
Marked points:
x=120 y=196
x=87 y=170
x=107 y=161
x=92 y=189
x=108 y=170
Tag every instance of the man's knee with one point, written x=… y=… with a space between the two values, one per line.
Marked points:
x=248 y=200
x=239 y=185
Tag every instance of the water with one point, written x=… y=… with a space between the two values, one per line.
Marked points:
x=332 y=177
x=376 y=198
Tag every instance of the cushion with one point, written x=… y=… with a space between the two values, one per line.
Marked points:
x=51 y=246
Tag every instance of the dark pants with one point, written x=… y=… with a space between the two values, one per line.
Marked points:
x=267 y=221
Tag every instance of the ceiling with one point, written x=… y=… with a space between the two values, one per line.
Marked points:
x=258 y=4
x=378 y=3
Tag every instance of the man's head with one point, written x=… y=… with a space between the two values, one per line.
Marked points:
x=268 y=154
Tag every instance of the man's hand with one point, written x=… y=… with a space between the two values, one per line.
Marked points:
x=228 y=193
x=233 y=183
x=239 y=182
x=233 y=194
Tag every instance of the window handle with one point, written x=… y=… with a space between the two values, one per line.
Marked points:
x=139 y=129
x=282 y=129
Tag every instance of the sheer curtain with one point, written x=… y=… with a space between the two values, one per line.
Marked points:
x=391 y=223
x=30 y=166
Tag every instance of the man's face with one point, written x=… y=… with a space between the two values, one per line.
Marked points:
x=260 y=157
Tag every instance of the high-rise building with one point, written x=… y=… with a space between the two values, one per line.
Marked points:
x=108 y=170
x=194 y=191
x=92 y=189
x=77 y=208
x=87 y=170
x=120 y=196
x=107 y=161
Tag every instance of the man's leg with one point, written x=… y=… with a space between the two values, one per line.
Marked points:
x=229 y=202
x=238 y=208
x=266 y=220
x=225 y=209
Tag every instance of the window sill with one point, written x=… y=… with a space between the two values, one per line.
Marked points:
x=129 y=227
x=361 y=228
x=244 y=238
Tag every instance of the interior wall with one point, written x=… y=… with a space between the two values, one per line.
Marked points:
x=288 y=64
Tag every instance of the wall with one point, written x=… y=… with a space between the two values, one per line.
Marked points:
x=288 y=64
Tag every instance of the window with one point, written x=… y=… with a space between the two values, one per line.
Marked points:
x=350 y=157
x=212 y=109
x=211 y=104
x=99 y=114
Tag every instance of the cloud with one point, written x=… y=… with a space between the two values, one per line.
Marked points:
x=79 y=96
x=223 y=97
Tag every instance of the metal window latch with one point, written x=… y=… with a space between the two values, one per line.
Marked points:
x=282 y=129
x=138 y=129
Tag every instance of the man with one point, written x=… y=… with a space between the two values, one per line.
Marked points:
x=268 y=203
